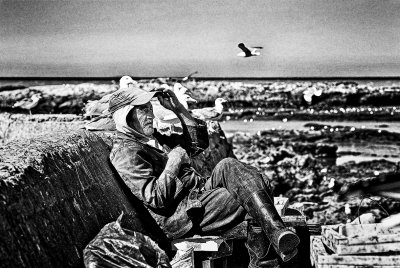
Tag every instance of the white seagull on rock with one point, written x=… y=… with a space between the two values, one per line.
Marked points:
x=28 y=103
x=210 y=113
x=249 y=52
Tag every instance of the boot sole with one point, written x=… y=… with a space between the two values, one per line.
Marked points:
x=287 y=242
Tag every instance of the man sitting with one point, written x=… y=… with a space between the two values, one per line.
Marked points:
x=157 y=170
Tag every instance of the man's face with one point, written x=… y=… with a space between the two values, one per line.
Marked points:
x=141 y=118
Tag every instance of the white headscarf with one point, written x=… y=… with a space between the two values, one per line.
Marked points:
x=121 y=125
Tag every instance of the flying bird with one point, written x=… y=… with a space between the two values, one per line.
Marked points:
x=28 y=103
x=210 y=113
x=249 y=52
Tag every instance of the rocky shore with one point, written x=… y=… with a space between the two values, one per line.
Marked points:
x=256 y=100
x=302 y=166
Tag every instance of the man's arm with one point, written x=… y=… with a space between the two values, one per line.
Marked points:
x=136 y=169
x=195 y=135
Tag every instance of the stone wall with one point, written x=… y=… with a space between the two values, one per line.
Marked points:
x=56 y=194
x=58 y=191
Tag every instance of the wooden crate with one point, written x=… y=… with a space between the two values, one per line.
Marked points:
x=360 y=239
x=321 y=258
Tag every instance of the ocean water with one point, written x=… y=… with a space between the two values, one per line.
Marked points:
x=19 y=81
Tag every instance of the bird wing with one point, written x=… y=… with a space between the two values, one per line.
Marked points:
x=101 y=123
x=106 y=98
x=208 y=113
x=246 y=51
x=95 y=108
x=163 y=114
x=21 y=103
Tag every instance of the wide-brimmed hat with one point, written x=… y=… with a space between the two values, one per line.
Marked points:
x=135 y=96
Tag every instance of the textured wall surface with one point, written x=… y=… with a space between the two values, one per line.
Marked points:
x=56 y=193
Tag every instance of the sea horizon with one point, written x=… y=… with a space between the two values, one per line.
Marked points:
x=10 y=83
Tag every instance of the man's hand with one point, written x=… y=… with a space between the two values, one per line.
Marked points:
x=169 y=100
x=178 y=153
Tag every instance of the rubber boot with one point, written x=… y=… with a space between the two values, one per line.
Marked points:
x=259 y=248
x=261 y=207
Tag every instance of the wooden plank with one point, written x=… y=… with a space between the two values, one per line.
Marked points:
x=333 y=239
x=363 y=249
x=362 y=243
x=351 y=230
x=317 y=249
x=205 y=243
x=374 y=239
x=312 y=255
x=390 y=260
x=341 y=247
x=355 y=266
x=320 y=256
x=294 y=220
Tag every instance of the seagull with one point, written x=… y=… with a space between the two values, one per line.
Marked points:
x=28 y=103
x=249 y=52
x=99 y=107
x=126 y=81
x=210 y=113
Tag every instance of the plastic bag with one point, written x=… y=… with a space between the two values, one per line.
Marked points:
x=115 y=246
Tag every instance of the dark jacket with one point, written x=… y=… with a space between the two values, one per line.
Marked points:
x=172 y=200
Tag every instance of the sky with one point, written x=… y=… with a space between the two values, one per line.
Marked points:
x=152 y=38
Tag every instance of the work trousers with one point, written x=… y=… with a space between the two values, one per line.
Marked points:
x=229 y=187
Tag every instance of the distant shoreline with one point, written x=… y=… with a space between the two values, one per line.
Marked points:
x=313 y=78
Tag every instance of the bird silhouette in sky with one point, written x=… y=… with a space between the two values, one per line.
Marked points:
x=28 y=103
x=249 y=52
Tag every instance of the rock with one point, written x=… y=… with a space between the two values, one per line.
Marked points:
x=326 y=150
